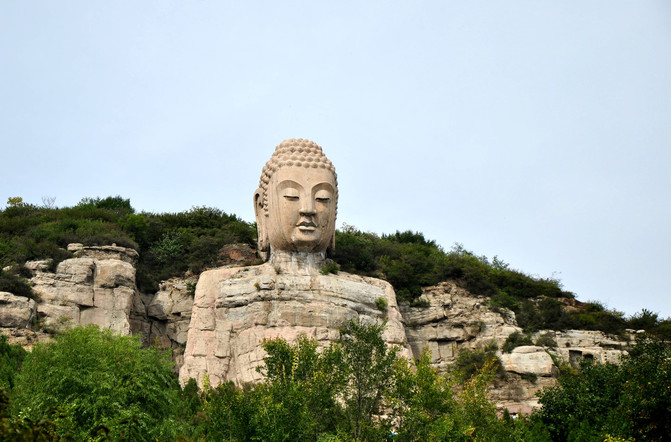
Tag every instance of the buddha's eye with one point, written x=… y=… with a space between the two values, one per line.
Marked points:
x=291 y=194
x=323 y=196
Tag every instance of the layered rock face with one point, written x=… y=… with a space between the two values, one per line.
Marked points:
x=455 y=320
x=235 y=309
x=96 y=286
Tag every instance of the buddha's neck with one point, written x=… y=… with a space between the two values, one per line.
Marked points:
x=297 y=262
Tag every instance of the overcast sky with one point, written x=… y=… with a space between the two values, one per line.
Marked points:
x=539 y=132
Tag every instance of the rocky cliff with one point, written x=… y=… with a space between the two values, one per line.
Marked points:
x=97 y=286
x=454 y=319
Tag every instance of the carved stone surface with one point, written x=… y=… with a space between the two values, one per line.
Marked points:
x=296 y=202
x=235 y=309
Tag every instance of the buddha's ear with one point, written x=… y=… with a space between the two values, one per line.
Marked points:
x=261 y=227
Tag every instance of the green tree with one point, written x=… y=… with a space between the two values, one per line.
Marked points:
x=303 y=384
x=91 y=381
x=646 y=393
x=423 y=401
x=629 y=400
x=368 y=365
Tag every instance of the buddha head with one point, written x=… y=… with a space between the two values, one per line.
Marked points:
x=296 y=202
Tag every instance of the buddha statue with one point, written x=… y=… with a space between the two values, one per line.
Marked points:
x=236 y=308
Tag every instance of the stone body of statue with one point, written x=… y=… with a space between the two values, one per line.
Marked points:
x=236 y=308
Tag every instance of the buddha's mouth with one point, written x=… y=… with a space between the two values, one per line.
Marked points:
x=306 y=226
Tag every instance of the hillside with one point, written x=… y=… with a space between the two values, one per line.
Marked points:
x=100 y=263
x=185 y=243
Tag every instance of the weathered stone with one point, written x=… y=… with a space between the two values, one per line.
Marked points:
x=75 y=247
x=455 y=320
x=97 y=289
x=38 y=266
x=16 y=311
x=232 y=315
x=76 y=271
x=54 y=318
x=528 y=359
x=237 y=254
x=101 y=253
x=160 y=307
x=104 y=318
x=111 y=273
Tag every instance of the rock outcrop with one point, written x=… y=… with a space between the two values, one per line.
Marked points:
x=454 y=319
x=16 y=311
x=97 y=286
x=163 y=318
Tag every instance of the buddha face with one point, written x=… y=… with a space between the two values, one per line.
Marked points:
x=301 y=209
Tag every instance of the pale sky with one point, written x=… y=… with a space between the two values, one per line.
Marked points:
x=535 y=131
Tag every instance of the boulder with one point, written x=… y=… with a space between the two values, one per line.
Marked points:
x=16 y=311
x=528 y=360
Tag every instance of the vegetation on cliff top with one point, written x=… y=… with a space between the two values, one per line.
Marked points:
x=170 y=244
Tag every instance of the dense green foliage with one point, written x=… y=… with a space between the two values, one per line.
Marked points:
x=92 y=382
x=515 y=339
x=470 y=362
x=15 y=281
x=631 y=400
x=356 y=389
x=14 y=428
x=409 y=262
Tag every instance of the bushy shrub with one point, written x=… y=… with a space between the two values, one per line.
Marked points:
x=329 y=268
x=546 y=340
x=469 y=362
x=595 y=316
x=381 y=303
x=14 y=282
x=90 y=381
x=514 y=340
x=169 y=244
x=409 y=262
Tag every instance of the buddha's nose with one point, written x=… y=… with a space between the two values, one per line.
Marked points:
x=307 y=207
